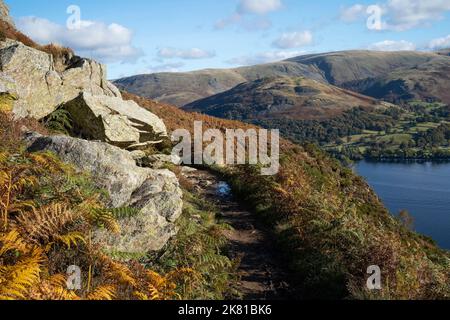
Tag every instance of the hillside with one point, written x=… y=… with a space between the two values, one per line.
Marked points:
x=282 y=97
x=327 y=222
x=425 y=82
x=366 y=72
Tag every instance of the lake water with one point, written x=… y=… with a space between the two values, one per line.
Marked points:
x=421 y=188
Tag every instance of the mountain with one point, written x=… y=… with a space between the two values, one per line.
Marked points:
x=393 y=76
x=182 y=88
x=281 y=98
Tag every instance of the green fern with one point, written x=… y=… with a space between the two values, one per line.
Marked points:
x=103 y=218
x=123 y=213
x=60 y=121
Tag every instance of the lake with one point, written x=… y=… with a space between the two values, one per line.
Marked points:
x=422 y=188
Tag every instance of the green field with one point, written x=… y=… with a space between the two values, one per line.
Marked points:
x=421 y=131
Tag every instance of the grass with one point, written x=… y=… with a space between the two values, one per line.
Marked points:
x=395 y=139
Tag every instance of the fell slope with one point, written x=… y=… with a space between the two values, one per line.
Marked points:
x=328 y=223
x=429 y=82
x=281 y=97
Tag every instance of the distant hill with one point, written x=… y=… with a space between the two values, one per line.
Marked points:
x=281 y=98
x=429 y=81
x=392 y=76
x=182 y=88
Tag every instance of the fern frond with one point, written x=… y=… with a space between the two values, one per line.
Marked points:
x=22 y=206
x=3 y=157
x=160 y=287
x=46 y=222
x=12 y=241
x=141 y=296
x=60 y=120
x=103 y=218
x=71 y=239
x=18 y=278
x=47 y=162
x=154 y=293
x=102 y=293
x=53 y=289
x=123 y=213
x=117 y=271
x=182 y=274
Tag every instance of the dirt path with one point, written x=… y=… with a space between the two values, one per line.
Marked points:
x=261 y=272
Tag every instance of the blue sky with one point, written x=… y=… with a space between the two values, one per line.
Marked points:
x=143 y=36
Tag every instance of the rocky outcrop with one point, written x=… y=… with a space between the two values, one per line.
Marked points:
x=111 y=119
x=4 y=13
x=40 y=88
x=96 y=105
x=155 y=193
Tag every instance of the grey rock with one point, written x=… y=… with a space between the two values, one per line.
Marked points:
x=156 y=193
x=160 y=160
x=113 y=120
x=4 y=13
x=7 y=85
x=188 y=170
x=96 y=104
x=138 y=155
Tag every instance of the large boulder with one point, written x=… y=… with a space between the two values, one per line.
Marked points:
x=155 y=193
x=113 y=120
x=40 y=87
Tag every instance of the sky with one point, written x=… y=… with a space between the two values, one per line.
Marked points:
x=147 y=36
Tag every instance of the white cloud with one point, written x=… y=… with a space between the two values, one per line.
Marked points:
x=294 y=40
x=401 y=15
x=251 y=7
x=407 y=14
x=264 y=57
x=440 y=43
x=258 y=6
x=107 y=43
x=353 y=13
x=165 y=67
x=248 y=24
x=389 y=45
x=226 y=22
x=188 y=54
